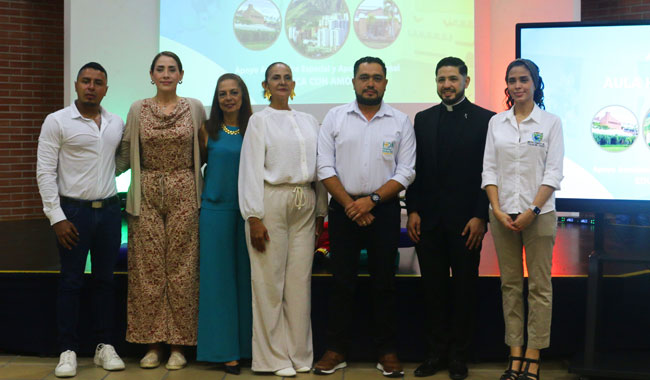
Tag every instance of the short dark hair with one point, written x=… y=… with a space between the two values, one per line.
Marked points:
x=166 y=54
x=369 y=60
x=94 y=66
x=455 y=62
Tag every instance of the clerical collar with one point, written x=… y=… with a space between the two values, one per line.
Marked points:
x=450 y=108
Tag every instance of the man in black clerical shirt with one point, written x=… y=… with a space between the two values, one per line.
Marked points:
x=447 y=218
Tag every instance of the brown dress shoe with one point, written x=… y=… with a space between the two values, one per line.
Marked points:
x=390 y=366
x=329 y=363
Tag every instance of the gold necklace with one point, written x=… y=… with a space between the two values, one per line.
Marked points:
x=229 y=131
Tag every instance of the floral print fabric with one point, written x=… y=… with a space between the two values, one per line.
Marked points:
x=163 y=241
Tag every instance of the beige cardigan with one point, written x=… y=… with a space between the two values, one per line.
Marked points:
x=129 y=153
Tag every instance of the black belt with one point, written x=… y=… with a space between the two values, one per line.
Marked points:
x=355 y=197
x=99 y=203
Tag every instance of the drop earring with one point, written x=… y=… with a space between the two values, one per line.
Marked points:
x=292 y=94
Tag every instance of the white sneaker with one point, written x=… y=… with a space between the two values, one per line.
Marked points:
x=303 y=369
x=176 y=361
x=67 y=366
x=107 y=358
x=285 y=372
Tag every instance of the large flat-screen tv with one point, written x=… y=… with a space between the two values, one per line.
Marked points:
x=597 y=79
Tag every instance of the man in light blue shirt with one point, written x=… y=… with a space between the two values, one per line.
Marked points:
x=366 y=156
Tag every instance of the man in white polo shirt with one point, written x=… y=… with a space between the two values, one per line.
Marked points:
x=76 y=178
x=366 y=156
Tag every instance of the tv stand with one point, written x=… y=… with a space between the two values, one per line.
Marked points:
x=623 y=364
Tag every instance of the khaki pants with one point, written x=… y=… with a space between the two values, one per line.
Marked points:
x=538 y=239
x=281 y=280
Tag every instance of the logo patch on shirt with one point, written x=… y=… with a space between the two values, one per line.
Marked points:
x=388 y=148
x=537 y=139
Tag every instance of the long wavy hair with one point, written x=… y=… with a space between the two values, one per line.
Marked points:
x=538 y=95
x=213 y=124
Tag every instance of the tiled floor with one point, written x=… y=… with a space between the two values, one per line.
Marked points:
x=28 y=367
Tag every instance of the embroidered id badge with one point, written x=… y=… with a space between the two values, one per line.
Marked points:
x=387 y=149
x=537 y=138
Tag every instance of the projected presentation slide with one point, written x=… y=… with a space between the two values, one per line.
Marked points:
x=597 y=80
x=320 y=40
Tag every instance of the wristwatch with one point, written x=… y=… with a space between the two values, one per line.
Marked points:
x=375 y=198
x=535 y=209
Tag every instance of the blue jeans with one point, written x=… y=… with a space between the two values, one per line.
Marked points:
x=100 y=232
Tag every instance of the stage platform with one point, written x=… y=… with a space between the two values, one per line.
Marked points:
x=29 y=274
x=17 y=367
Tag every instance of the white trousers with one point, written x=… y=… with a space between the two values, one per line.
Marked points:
x=281 y=280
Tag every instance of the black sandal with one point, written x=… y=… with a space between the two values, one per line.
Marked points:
x=525 y=375
x=511 y=374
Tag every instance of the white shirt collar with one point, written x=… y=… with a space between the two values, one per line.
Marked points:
x=450 y=108
x=77 y=115
x=535 y=115
x=384 y=109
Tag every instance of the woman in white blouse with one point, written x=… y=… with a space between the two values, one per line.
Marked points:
x=284 y=206
x=522 y=168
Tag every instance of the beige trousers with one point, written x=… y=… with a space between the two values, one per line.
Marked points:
x=281 y=280
x=538 y=239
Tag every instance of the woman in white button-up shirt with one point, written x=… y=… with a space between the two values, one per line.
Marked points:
x=522 y=168
x=283 y=205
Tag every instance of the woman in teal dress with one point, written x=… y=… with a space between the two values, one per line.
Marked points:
x=225 y=316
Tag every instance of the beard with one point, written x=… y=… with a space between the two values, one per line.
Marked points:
x=453 y=100
x=85 y=103
x=368 y=102
x=89 y=104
